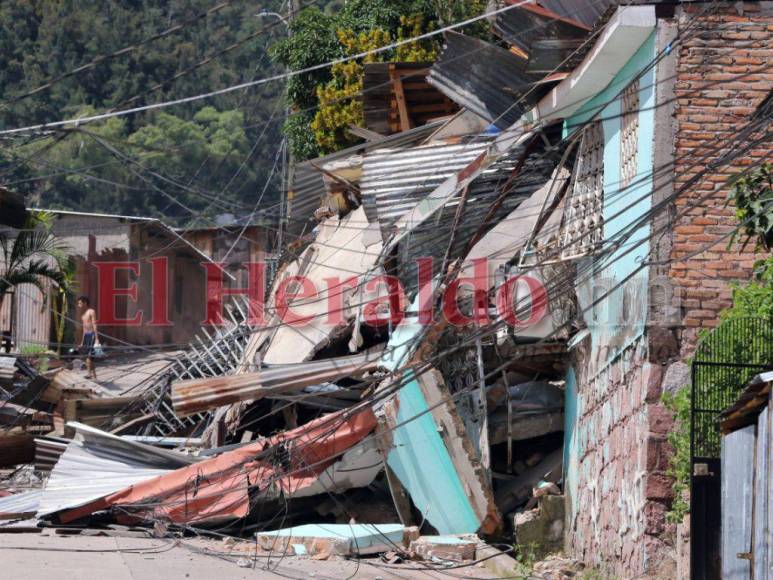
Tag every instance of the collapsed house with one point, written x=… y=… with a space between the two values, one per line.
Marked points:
x=462 y=333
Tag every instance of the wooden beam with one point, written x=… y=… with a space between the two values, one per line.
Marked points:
x=402 y=107
x=17 y=449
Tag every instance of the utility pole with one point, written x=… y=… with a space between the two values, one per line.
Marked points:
x=293 y=7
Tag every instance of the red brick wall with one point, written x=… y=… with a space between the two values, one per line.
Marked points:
x=713 y=103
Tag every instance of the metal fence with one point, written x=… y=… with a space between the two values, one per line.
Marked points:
x=725 y=361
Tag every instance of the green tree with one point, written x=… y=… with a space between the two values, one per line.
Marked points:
x=324 y=100
x=31 y=255
x=43 y=40
x=752 y=195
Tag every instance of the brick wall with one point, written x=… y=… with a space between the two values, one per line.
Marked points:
x=617 y=510
x=723 y=73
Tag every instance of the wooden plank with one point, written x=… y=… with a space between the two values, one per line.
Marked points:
x=16 y=449
x=402 y=107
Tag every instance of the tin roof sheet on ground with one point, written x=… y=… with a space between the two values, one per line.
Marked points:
x=97 y=463
x=17 y=504
x=223 y=483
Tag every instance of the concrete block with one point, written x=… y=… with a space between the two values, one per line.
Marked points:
x=454 y=548
x=337 y=539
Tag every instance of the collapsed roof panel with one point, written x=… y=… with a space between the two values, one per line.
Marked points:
x=517 y=176
x=484 y=78
x=394 y=180
x=97 y=463
x=197 y=395
x=512 y=232
x=342 y=251
x=308 y=187
x=218 y=489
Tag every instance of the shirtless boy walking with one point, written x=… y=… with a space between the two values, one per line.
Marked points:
x=89 y=336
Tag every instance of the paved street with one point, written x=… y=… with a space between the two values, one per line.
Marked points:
x=43 y=557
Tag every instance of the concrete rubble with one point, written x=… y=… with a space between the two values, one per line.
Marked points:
x=279 y=430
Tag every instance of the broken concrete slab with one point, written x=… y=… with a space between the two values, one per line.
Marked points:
x=453 y=548
x=339 y=254
x=337 y=539
x=523 y=426
x=541 y=529
x=500 y=564
x=434 y=459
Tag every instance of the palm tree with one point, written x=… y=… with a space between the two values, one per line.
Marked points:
x=32 y=254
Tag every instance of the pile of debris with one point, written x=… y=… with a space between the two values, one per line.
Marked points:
x=368 y=422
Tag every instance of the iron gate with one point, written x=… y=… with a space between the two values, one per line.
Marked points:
x=725 y=361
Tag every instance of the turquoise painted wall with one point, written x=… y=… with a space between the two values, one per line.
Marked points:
x=620 y=319
x=421 y=462
x=571 y=441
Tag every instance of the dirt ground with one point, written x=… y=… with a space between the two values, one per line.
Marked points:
x=45 y=556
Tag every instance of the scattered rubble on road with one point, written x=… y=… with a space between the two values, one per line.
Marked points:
x=358 y=432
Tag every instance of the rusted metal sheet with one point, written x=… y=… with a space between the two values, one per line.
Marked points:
x=587 y=13
x=218 y=489
x=526 y=24
x=203 y=394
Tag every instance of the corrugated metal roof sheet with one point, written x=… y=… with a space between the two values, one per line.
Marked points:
x=26 y=502
x=523 y=26
x=47 y=452
x=553 y=33
x=582 y=11
x=308 y=188
x=97 y=463
x=210 y=393
x=484 y=78
x=223 y=483
x=393 y=181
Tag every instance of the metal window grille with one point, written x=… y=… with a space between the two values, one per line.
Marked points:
x=629 y=134
x=583 y=226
